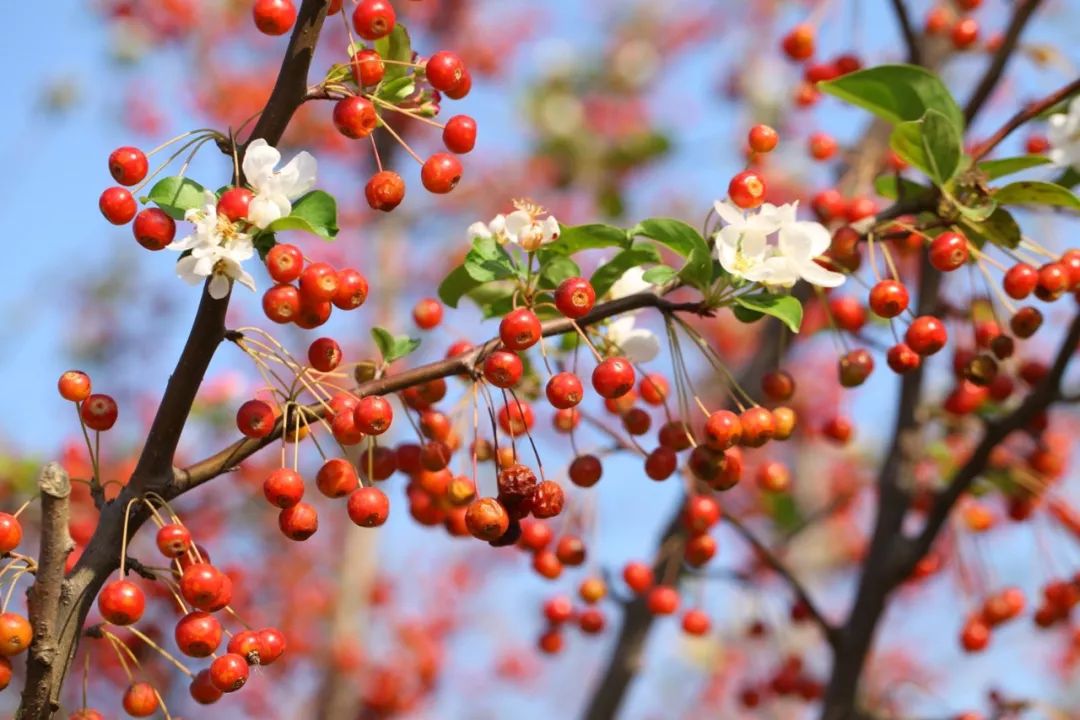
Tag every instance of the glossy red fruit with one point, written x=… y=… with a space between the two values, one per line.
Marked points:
x=855 y=367
x=121 y=602
x=384 y=191
x=229 y=672
x=638 y=576
x=201 y=583
x=758 y=426
x=283 y=488
x=15 y=634
x=503 y=369
x=948 y=251
x=747 y=189
x=298 y=522
x=799 y=43
x=324 y=354
x=374 y=19
x=173 y=540
x=198 y=634
x=128 y=165
x=368 y=68
x=336 y=478
x=822 y=146
x=661 y=463
x=440 y=173
x=575 y=297
x=153 y=229
x=654 y=389
x=274 y=17
x=140 y=700
x=564 y=390
x=99 y=412
x=696 y=622
x=352 y=289
x=975 y=636
x=926 y=335
x=1053 y=281
x=902 y=359
x=368 y=507
x=487 y=519
x=444 y=71
x=255 y=419
x=547 y=500
x=284 y=262
x=271 y=645
x=585 y=470
x=459 y=135
x=202 y=690
x=117 y=205
x=965 y=33
x=762 y=138
x=427 y=313
x=519 y=329
x=355 y=117
x=613 y=377
x=74 y=385
x=234 y=203
x=374 y=415
x=888 y=298
x=722 y=430
x=10 y=533
x=662 y=600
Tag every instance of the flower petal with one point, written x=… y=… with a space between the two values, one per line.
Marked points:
x=730 y=214
x=298 y=177
x=260 y=158
x=263 y=210
x=219 y=286
x=814 y=274
x=631 y=283
x=640 y=346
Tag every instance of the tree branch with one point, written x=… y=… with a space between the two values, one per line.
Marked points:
x=1045 y=393
x=993 y=73
x=910 y=38
x=1029 y=112
x=54 y=485
x=774 y=562
x=466 y=363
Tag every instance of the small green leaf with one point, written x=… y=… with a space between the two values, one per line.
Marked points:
x=315 y=212
x=394 y=88
x=931 y=144
x=584 y=237
x=887 y=187
x=557 y=269
x=176 y=195
x=395 y=46
x=977 y=213
x=264 y=242
x=607 y=274
x=994 y=169
x=393 y=347
x=1030 y=192
x=659 y=274
x=1000 y=229
x=456 y=285
x=782 y=307
x=488 y=261
x=897 y=93
x=686 y=241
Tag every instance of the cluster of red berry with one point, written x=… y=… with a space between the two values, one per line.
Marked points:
x=318 y=290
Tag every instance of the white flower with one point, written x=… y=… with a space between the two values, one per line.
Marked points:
x=275 y=189
x=1064 y=136
x=632 y=282
x=744 y=250
x=217 y=249
x=525 y=227
x=637 y=344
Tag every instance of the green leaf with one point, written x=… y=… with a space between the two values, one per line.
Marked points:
x=1031 y=192
x=1000 y=229
x=659 y=274
x=456 y=285
x=488 y=261
x=264 y=242
x=395 y=46
x=315 y=212
x=557 y=269
x=994 y=169
x=897 y=93
x=887 y=187
x=395 y=89
x=782 y=307
x=393 y=347
x=607 y=274
x=1069 y=178
x=783 y=511
x=494 y=299
x=931 y=143
x=176 y=195
x=584 y=237
x=686 y=241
